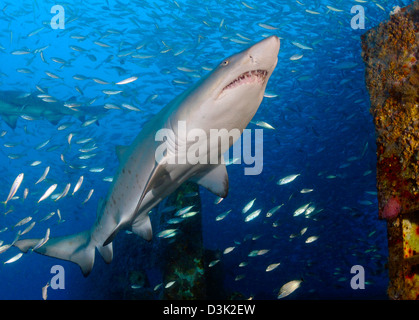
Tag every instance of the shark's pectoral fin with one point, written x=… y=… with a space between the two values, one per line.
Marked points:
x=120 y=151
x=158 y=176
x=215 y=179
x=142 y=227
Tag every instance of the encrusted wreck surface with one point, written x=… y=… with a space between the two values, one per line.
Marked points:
x=183 y=260
x=391 y=53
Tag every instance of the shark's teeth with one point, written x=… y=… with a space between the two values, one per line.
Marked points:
x=248 y=77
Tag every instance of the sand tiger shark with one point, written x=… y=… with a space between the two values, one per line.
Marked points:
x=227 y=98
x=14 y=104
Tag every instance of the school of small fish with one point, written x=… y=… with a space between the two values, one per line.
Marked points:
x=319 y=144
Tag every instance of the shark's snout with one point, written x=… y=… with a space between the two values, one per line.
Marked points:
x=266 y=51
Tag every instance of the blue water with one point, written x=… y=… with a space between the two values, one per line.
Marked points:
x=318 y=106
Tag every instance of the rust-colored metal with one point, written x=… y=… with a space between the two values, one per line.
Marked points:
x=391 y=53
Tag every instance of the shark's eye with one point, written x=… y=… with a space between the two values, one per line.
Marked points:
x=224 y=63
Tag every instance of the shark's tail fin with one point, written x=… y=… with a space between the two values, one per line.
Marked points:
x=77 y=248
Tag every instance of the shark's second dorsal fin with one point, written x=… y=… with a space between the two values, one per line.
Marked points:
x=142 y=227
x=215 y=179
x=120 y=151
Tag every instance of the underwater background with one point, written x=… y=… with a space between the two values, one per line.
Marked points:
x=315 y=117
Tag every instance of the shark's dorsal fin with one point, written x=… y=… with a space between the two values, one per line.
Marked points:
x=10 y=120
x=214 y=178
x=120 y=151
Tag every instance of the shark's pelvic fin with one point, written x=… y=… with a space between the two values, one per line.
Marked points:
x=215 y=179
x=76 y=248
x=106 y=252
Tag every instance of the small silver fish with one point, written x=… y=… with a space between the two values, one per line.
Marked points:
x=25 y=193
x=305 y=190
x=42 y=241
x=301 y=46
x=88 y=196
x=264 y=124
x=44 y=175
x=239 y=277
x=222 y=215
x=78 y=185
x=44 y=291
x=272 y=266
x=262 y=252
x=167 y=233
x=189 y=214
x=301 y=209
x=184 y=210
x=136 y=286
x=296 y=57
x=271 y=212
x=248 y=206
x=213 y=263
x=287 y=179
x=48 y=192
x=28 y=228
x=49 y=215
x=23 y=221
x=266 y=26
x=64 y=193
x=15 y=187
x=228 y=250
x=15 y=258
x=174 y=220
x=311 y=239
x=20 y=52
x=41 y=145
x=252 y=215
x=130 y=107
x=111 y=92
x=289 y=288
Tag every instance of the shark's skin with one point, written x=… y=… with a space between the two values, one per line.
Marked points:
x=141 y=182
x=14 y=104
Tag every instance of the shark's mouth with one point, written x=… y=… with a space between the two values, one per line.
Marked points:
x=254 y=76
